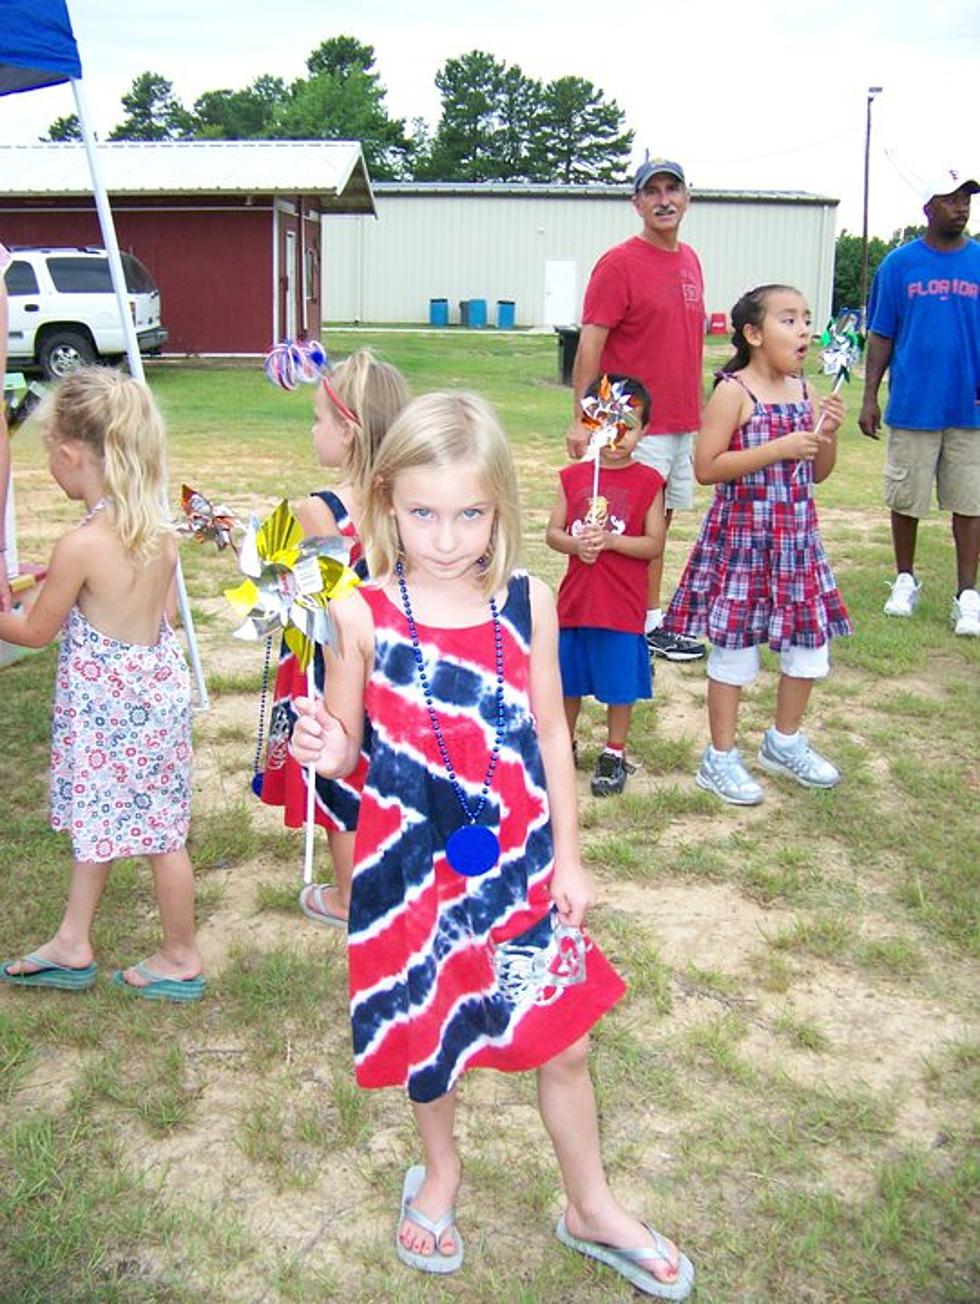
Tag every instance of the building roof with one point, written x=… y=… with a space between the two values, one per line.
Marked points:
x=537 y=190
x=333 y=170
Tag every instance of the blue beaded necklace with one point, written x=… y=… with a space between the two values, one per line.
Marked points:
x=472 y=848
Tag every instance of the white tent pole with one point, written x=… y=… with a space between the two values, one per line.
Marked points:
x=132 y=348
x=109 y=235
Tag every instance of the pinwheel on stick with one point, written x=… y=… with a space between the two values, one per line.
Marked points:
x=608 y=413
x=290 y=581
x=842 y=347
x=204 y=521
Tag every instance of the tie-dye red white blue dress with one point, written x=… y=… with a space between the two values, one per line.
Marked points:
x=426 y=1003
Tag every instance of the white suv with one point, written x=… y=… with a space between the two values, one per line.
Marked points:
x=63 y=314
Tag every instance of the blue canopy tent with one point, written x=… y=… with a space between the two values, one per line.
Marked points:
x=37 y=48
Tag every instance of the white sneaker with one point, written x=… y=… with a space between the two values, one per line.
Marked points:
x=904 y=596
x=798 y=761
x=966 y=613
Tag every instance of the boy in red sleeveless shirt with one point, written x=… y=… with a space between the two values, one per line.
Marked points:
x=610 y=537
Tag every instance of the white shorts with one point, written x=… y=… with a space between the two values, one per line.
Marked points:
x=740 y=666
x=673 y=457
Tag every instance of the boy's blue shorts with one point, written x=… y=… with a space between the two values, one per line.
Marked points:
x=606 y=664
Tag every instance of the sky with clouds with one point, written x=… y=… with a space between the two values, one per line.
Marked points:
x=757 y=94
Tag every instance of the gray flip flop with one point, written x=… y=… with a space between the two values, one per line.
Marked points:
x=322 y=915
x=436 y=1261
x=627 y=1263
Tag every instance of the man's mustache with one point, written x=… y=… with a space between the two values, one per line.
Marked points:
x=665 y=210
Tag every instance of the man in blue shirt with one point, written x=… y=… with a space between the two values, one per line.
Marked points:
x=924 y=328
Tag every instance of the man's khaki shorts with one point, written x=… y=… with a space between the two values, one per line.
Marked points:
x=917 y=459
x=672 y=456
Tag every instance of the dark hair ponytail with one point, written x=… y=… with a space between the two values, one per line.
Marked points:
x=749 y=311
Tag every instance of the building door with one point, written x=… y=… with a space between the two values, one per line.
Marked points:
x=561 y=303
x=290 y=280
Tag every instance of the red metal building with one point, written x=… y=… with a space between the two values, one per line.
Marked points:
x=229 y=229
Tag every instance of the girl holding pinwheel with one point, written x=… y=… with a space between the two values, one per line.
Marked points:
x=758 y=572
x=465 y=942
x=121 y=734
x=354 y=405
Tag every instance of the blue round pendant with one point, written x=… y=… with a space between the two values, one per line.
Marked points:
x=472 y=849
x=257 y=784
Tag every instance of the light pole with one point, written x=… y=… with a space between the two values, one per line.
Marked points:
x=872 y=92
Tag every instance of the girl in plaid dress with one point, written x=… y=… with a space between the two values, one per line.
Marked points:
x=758 y=572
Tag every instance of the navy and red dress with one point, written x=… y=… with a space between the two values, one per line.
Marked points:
x=284 y=779
x=425 y=1001
x=758 y=572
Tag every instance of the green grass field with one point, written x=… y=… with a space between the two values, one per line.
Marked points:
x=789 y=1090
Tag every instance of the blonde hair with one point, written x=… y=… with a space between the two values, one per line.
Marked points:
x=117 y=418
x=443 y=430
x=375 y=392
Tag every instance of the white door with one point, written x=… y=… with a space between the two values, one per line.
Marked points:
x=290 y=270
x=561 y=302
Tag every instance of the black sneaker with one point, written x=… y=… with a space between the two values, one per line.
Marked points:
x=609 y=775
x=674 y=647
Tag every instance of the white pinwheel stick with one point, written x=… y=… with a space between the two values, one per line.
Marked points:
x=842 y=375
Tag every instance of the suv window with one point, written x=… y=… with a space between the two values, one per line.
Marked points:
x=80 y=275
x=91 y=275
x=20 y=278
x=138 y=279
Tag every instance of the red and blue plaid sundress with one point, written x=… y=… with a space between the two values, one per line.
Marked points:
x=758 y=572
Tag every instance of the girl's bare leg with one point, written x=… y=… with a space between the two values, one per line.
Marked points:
x=72 y=944
x=592 y=1212
x=178 y=956
x=435 y=1121
x=723 y=702
x=791 y=699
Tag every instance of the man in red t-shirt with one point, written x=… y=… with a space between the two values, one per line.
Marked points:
x=643 y=316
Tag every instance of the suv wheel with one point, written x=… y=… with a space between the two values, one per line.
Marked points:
x=64 y=352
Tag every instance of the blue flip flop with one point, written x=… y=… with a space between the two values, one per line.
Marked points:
x=49 y=974
x=436 y=1261
x=159 y=988
x=627 y=1263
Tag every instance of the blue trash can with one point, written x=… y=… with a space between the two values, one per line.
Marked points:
x=505 y=314
x=478 y=313
x=438 y=312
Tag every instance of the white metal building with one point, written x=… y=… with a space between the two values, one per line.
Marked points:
x=536 y=245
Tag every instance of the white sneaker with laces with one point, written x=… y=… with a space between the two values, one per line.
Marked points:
x=724 y=774
x=904 y=596
x=798 y=761
x=966 y=613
